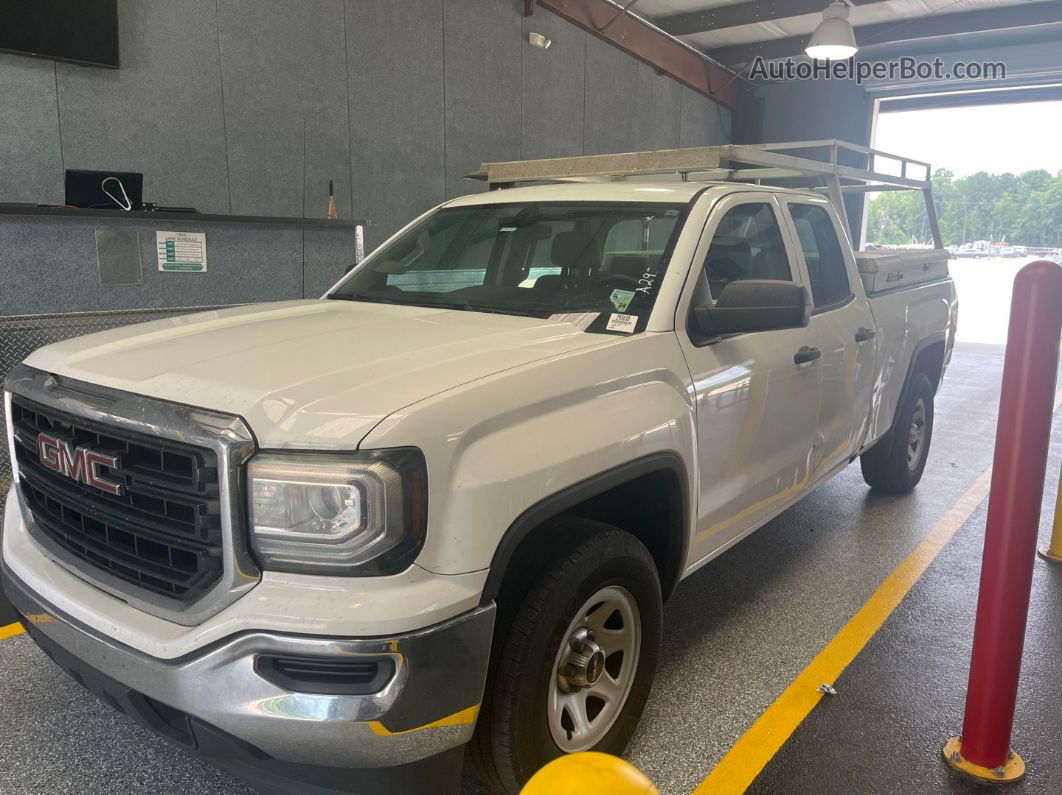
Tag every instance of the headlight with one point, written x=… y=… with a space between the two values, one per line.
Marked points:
x=362 y=513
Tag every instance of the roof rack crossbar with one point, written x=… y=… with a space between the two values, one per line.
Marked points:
x=727 y=162
x=734 y=163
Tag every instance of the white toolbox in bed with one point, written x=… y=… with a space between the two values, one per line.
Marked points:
x=891 y=269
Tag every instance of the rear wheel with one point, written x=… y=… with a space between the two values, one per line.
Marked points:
x=895 y=464
x=576 y=663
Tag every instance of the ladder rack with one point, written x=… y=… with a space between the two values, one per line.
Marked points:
x=820 y=162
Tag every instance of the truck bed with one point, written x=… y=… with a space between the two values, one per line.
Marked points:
x=906 y=316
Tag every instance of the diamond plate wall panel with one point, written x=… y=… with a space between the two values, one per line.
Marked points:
x=22 y=334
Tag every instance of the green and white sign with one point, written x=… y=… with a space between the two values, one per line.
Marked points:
x=182 y=251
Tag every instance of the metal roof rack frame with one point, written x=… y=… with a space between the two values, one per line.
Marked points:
x=734 y=163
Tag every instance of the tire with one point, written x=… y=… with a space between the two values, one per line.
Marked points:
x=526 y=695
x=894 y=465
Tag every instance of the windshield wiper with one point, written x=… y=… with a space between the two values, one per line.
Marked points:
x=497 y=310
x=359 y=297
x=383 y=299
x=456 y=305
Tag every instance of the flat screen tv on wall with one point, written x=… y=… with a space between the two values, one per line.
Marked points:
x=79 y=31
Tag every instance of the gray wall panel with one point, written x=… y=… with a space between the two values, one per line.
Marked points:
x=553 y=89
x=31 y=168
x=703 y=123
x=658 y=111
x=47 y=265
x=50 y=265
x=611 y=98
x=284 y=75
x=245 y=264
x=251 y=106
x=160 y=113
x=399 y=99
x=395 y=84
x=814 y=109
x=326 y=255
x=482 y=41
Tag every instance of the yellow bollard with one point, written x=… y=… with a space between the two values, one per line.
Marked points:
x=589 y=773
x=1053 y=551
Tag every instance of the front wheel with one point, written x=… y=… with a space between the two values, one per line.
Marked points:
x=578 y=659
x=895 y=464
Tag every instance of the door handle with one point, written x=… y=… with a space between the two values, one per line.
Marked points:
x=806 y=354
x=865 y=334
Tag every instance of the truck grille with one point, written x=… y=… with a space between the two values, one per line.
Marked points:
x=161 y=535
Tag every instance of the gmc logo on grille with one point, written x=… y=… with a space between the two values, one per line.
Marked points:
x=77 y=463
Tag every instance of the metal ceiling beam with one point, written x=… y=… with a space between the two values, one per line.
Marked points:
x=630 y=4
x=990 y=19
x=647 y=43
x=737 y=14
x=966 y=99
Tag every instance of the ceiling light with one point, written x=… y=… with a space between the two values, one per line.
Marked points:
x=540 y=41
x=833 y=39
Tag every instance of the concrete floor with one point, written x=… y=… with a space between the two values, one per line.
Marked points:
x=736 y=634
x=903 y=696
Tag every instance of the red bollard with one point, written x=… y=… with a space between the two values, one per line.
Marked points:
x=1023 y=433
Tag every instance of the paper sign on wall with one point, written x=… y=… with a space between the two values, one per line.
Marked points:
x=182 y=251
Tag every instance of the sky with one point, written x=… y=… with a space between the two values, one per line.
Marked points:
x=994 y=138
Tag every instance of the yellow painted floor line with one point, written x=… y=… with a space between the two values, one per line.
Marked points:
x=754 y=749
x=11 y=630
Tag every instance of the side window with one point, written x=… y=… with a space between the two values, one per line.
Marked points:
x=747 y=245
x=822 y=253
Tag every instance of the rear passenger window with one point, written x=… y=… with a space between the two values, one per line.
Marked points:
x=822 y=253
x=747 y=245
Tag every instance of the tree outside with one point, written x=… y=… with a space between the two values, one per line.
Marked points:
x=1023 y=209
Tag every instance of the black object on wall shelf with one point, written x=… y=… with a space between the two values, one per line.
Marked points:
x=107 y=190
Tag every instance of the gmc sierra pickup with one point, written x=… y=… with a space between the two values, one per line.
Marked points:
x=337 y=544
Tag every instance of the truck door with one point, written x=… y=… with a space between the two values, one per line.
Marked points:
x=843 y=325
x=756 y=405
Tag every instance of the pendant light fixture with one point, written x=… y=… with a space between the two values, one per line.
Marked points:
x=833 y=39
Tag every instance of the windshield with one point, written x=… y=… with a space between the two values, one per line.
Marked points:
x=542 y=259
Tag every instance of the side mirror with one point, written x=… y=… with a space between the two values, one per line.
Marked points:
x=755 y=305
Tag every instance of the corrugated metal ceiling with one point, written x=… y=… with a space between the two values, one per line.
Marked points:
x=899 y=10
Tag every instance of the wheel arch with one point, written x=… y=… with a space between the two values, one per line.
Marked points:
x=927 y=357
x=621 y=496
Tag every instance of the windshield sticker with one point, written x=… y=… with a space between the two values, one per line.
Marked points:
x=581 y=320
x=621 y=299
x=624 y=323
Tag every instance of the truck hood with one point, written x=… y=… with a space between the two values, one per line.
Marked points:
x=316 y=373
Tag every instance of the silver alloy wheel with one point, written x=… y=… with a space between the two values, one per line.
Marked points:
x=594 y=669
x=916 y=436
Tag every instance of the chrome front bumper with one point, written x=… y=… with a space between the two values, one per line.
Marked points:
x=429 y=705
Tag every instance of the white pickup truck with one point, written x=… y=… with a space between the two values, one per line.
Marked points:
x=336 y=541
